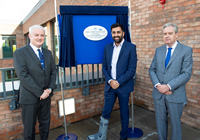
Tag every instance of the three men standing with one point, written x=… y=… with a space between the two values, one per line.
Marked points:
x=35 y=68
x=170 y=70
x=119 y=66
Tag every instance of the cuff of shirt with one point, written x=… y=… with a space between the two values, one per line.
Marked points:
x=109 y=81
x=169 y=87
x=156 y=85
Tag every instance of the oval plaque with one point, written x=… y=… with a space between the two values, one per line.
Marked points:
x=95 y=32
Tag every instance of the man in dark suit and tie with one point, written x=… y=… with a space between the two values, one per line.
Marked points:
x=170 y=70
x=119 y=66
x=35 y=68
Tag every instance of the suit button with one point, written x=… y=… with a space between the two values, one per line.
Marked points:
x=162 y=82
x=164 y=73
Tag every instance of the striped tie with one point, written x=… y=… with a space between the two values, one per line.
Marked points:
x=41 y=57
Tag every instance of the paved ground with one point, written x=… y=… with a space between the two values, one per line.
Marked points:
x=144 y=120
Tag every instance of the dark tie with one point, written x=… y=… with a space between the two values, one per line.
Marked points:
x=168 y=57
x=41 y=57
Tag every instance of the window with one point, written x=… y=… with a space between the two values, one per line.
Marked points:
x=45 y=44
x=8 y=76
x=56 y=53
x=8 y=46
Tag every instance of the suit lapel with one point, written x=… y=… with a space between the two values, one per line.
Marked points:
x=175 y=53
x=110 y=53
x=122 y=49
x=33 y=55
x=163 y=56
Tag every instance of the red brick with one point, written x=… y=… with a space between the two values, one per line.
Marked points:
x=3 y=135
x=189 y=2
x=5 y=112
x=6 y=107
x=153 y=7
x=15 y=132
x=2 y=126
x=13 y=115
x=14 y=123
x=2 y=117
x=195 y=23
x=73 y=90
x=196 y=50
x=19 y=127
x=5 y=121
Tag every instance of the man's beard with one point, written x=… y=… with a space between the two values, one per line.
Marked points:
x=119 y=39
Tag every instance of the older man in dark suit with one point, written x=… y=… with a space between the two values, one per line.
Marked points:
x=35 y=68
x=119 y=66
x=170 y=70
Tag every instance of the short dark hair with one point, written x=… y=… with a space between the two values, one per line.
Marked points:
x=117 y=25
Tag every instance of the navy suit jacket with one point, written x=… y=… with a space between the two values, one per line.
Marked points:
x=126 y=66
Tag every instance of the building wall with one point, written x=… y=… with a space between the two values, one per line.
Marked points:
x=12 y=29
x=86 y=106
x=147 y=19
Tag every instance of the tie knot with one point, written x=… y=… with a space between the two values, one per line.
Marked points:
x=38 y=50
x=169 y=49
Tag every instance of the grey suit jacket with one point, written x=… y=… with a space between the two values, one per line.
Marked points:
x=176 y=74
x=33 y=79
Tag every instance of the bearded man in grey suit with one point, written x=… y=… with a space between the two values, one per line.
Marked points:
x=170 y=70
x=35 y=68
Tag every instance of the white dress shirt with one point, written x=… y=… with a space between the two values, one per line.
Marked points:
x=35 y=49
x=173 y=48
x=115 y=56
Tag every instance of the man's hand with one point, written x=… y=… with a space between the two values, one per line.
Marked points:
x=163 y=88
x=114 y=84
x=168 y=93
x=45 y=94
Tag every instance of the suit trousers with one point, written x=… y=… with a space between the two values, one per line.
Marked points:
x=162 y=108
x=30 y=112
x=109 y=101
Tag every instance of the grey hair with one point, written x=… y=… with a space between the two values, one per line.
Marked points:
x=35 y=27
x=173 y=25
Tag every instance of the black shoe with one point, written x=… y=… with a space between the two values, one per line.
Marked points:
x=123 y=138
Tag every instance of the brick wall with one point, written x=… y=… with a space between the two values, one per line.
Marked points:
x=148 y=17
x=86 y=106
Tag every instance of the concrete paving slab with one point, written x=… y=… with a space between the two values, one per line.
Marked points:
x=148 y=120
x=144 y=120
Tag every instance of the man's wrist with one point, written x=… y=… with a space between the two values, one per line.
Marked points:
x=109 y=81
x=50 y=89
x=169 y=87
x=156 y=85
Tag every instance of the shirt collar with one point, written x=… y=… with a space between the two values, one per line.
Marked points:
x=174 y=46
x=119 y=44
x=35 y=48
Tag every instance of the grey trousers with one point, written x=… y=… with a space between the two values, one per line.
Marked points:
x=162 y=109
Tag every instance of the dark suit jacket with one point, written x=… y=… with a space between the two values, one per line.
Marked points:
x=176 y=74
x=33 y=79
x=126 y=66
